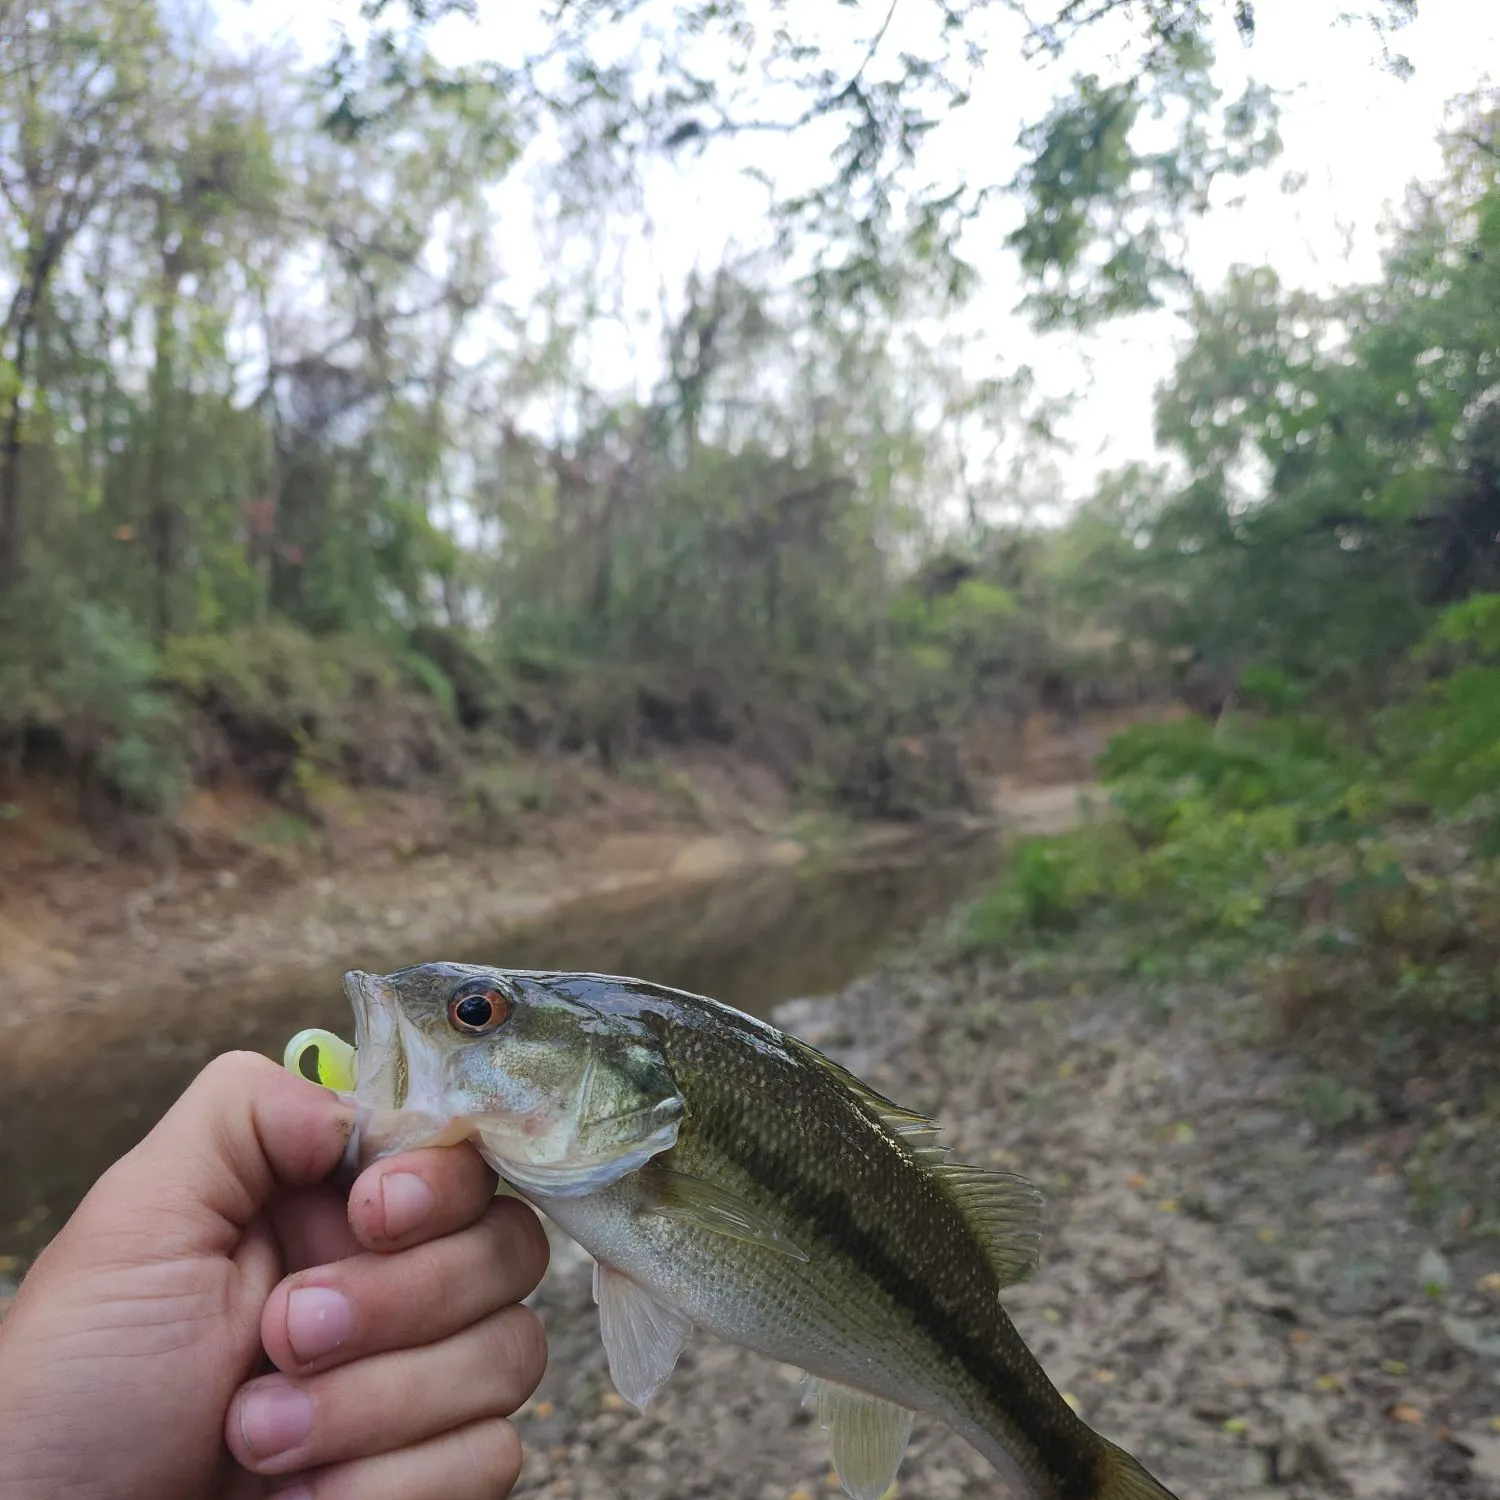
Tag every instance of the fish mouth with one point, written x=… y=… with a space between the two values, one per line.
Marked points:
x=389 y=1115
x=381 y=1071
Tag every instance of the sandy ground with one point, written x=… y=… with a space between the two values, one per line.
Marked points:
x=1233 y=1297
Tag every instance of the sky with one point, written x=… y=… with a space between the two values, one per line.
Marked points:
x=1354 y=136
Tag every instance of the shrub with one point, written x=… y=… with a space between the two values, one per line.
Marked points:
x=81 y=673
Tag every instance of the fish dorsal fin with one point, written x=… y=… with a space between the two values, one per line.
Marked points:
x=642 y=1335
x=866 y=1436
x=1004 y=1210
x=691 y=1200
x=918 y=1133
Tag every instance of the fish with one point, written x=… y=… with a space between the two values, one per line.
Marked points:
x=725 y=1175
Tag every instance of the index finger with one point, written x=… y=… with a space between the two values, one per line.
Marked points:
x=419 y=1195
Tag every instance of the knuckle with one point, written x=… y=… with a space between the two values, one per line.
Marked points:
x=493 y=1453
x=424 y=1284
x=522 y=1241
x=518 y=1348
x=239 y=1067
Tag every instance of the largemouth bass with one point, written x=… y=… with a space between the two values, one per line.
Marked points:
x=725 y=1175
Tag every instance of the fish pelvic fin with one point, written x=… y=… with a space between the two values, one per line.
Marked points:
x=642 y=1335
x=1003 y=1210
x=1125 y=1478
x=866 y=1436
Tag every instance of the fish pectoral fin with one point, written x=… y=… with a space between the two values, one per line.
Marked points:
x=691 y=1200
x=642 y=1335
x=1004 y=1210
x=866 y=1436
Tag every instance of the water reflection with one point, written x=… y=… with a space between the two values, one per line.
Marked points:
x=751 y=940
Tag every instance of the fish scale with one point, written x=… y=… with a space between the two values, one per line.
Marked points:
x=729 y=1177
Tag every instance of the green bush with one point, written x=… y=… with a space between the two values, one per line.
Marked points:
x=302 y=708
x=83 y=673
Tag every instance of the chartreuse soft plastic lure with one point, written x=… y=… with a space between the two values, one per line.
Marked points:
x=322 y=1057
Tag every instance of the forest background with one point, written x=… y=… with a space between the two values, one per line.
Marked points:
x=299 y=498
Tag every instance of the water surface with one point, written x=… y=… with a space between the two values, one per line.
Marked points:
x=751 y=939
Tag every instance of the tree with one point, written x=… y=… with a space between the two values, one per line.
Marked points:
x=862 y=86
x=72 y=79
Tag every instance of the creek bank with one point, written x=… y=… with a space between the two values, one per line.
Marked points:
x=1232 y=1295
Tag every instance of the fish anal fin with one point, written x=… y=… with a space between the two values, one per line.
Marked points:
x=866 y=1436
x=704 y=1205
x=1003 y=1210
x=642 y=1335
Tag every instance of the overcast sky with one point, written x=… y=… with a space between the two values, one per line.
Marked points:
x=1354 y=134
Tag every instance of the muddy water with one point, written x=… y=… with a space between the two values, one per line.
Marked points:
x=750 y=939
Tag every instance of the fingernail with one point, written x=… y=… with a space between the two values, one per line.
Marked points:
x=407 y=1200
x=275 y=1419
x=318 y=1320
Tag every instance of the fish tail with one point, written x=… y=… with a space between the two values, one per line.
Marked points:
x=1125 y=1479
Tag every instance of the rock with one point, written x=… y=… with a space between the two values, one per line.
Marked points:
x=1302 y=1451
x=1483 y=1450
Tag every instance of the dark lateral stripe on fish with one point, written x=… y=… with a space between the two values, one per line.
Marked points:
x=1065 y=1446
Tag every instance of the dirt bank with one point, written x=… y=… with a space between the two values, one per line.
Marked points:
x=1231 y=1296
x=245 y=900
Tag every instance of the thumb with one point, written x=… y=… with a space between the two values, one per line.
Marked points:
x=243 y=1128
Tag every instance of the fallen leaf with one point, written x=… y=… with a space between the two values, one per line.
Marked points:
x=1299 y=1335
x=1051 y=1315
x=1471 y=1336
x=1434 y=1274
x=1135 y=1180
x=1490 y=1283
x=1393 y=1366
x=1329 y=1382
x=1236 y=1424
x=1067 y=1068
x=1404 y=1413
x=800 y=1493
x=1105 y=1377
x=1267 y=1236
x=1167 y=1205
x=543 y=1409
x=613 y=1401
x=1495 y=1423
x=1183 y=1133
x=831 y=1479
x=1235 y=1382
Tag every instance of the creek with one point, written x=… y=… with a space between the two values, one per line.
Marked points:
x=752 y=939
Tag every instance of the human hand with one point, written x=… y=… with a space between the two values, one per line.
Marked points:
x=397 y=1342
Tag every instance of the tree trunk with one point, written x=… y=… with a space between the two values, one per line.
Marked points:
x=161 y=521
x=12 y=553
x=11 y=569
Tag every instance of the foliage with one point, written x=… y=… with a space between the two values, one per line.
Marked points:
x=86 y=673
x=1281 y=842
x=291 y=707
x=861 y=91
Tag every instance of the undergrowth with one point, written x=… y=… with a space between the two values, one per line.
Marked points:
x=1336 y=862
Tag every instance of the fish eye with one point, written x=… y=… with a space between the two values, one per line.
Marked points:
x=478 y=1011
